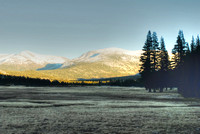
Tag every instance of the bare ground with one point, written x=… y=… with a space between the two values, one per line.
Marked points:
x=96 y=110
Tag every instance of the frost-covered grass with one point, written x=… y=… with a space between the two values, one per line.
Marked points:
x=95 y=110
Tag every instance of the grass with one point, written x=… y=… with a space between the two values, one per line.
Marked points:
x=96 y=110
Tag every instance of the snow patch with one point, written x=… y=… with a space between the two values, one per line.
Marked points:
x=27 y=57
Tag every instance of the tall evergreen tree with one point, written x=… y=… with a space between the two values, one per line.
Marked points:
x=146 y=60
x=187 y=49
x=179 y=50
x=164 y=57
x=155 y=51
x=192 y=45
x=198 y=43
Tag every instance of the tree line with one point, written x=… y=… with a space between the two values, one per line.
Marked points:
x=182 y=71
x=8 y=80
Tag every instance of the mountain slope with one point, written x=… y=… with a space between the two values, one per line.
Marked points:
x=103 y=54
x=118 y=61
x=27 y=60
x=92 y=70
x=82 y=70
x=103 y=63
x=113 y=57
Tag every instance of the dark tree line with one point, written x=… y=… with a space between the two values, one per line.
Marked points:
x=127 y=82
x=8 y=80
x=26 y=81
x=182 y=71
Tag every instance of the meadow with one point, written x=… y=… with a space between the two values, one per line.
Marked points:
x=96 y=110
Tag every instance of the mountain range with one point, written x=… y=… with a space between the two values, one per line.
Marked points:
x=102 y=63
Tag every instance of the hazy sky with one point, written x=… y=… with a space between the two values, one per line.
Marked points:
x=71 y=27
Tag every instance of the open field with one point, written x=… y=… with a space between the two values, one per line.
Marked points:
x=92 y=110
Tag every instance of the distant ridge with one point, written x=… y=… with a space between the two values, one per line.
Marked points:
x=27 y=60
x=102 y=63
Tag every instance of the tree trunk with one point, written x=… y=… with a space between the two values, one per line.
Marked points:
x=149 y=89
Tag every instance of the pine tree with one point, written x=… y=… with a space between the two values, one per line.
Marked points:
x=192 y=45
x=164 y=57
x=198 y=43
x=164 y=64
x=145 y=59
x=146 y=66
x=187 y=49
x=155 y=51
x=179 y=50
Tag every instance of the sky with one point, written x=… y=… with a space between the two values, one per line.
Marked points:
x=70 y=28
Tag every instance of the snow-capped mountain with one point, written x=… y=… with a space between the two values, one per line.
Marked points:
x=113 y=57
x=102 y=54
x=27 y=60
x=109 y=62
